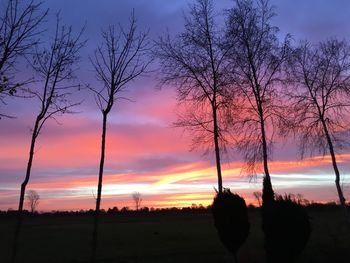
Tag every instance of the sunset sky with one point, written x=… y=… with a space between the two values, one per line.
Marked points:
x=144 y=152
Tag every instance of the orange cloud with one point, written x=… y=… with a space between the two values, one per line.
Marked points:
x=181 y=185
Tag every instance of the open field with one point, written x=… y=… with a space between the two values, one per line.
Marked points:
x=155 y=237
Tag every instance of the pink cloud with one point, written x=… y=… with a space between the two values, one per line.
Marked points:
x=143 y=154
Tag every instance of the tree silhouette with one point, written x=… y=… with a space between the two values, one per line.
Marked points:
x=194 y=62
x=136 y=196
x=320 y=86
x=19 y=29
x=256 y=60
x=32 y=199
x=231 y=220
x=54 y=66
x=117 y=62
x=287 y=229
x=258 y=196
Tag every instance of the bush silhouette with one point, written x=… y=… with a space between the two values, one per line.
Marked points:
x=287 y=229
x=231 y=220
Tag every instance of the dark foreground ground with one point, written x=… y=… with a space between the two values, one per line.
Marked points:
x=160 y=237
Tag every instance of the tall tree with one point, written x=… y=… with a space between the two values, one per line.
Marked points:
x=19 y=31
x=54 y=66
x=118 y=61
x=256 y=57
x=319 y=100
x=194 y=63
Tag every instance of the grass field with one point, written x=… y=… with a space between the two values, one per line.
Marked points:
x=152 y=238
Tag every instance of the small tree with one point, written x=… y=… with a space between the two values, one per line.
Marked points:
x=19 y=29
x=319 y=100
x=54 y=66
x=117 y=62
x=136 y=196
x=32 y=200
x=258 y=196
x=194 y=63
x=256 y=57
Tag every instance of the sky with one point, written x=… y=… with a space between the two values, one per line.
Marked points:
x=144 y=152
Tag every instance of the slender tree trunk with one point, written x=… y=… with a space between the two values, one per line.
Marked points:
x=99 y=188
x=336 y=170
x=265 y=155
x=268 y=194
x=23 y=190
x=217 y=149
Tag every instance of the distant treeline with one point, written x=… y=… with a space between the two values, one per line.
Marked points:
x=151 y=210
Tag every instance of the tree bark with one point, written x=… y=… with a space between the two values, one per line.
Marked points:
x=268 y=194
x=23 y=190
x=217 y=149
x=99 y=188
x=336 y=170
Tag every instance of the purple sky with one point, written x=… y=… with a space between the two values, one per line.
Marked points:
x=143 y=149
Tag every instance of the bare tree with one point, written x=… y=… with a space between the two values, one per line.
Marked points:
x=117 y=62
x=319 y=92
x=136 y=196
x=19 y=29
x=32 y=200
x=256 y=61
x=54 y=67
x=194 y=63
x=300 y=199
x=258 y=196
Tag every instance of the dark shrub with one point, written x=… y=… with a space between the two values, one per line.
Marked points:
x=231 y=220
x=287 y=229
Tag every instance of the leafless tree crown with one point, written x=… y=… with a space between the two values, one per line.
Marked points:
x=54 y=66
x=194 y=62
x=318 y=91
x=256 y=57
x=119 y=60
x=19 y=32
